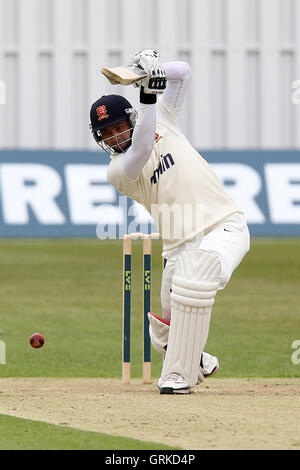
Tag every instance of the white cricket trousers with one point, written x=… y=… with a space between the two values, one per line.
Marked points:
x=229 y=240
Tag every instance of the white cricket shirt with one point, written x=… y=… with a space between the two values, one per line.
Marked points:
x=176 y=186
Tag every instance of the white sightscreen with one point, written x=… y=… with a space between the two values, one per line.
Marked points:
x=245 y=55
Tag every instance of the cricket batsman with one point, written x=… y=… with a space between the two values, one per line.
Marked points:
x=153 y=163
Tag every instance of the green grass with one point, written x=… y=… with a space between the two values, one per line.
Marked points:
x=71 y=291
x=25 y=434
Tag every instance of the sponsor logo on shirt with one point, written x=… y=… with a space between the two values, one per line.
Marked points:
x=157 y=137
x=166 y=161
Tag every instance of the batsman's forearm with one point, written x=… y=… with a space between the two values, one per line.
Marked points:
x=143 y=138
x=178 y=75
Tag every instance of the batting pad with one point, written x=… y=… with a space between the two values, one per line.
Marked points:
x=194 y=287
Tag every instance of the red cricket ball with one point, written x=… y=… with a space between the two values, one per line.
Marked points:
x=37 y=340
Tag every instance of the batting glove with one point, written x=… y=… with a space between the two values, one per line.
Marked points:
x=155 y=83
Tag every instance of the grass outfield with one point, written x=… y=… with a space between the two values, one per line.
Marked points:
x=24 y=434
x=71 y=291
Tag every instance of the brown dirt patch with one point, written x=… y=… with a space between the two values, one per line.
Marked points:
x=221 y=414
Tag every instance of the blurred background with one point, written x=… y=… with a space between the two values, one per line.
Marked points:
x=241 y=110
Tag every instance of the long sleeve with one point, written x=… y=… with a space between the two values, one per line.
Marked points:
x=143 y=137
x=134 y=160
x=178 y=76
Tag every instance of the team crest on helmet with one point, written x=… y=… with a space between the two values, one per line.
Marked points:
x=102 y=112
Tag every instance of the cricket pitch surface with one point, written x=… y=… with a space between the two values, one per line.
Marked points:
x=220 y=414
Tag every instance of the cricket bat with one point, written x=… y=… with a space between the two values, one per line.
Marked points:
x=124 y=75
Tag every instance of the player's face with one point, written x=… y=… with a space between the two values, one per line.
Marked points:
x=117 y=135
